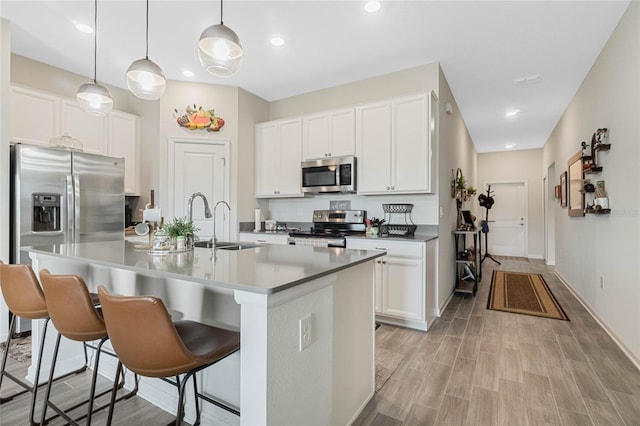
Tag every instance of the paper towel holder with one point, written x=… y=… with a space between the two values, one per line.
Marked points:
x=257 y=227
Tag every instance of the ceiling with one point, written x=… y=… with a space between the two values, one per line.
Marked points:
x=482 y=46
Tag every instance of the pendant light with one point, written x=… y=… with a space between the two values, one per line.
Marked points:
x=219 y=49
x=94 y=98
x=145 y=78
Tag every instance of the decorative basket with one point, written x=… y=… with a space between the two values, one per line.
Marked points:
x=398 y=229
x=397 y=208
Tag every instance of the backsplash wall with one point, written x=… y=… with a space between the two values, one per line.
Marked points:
x=425 y=207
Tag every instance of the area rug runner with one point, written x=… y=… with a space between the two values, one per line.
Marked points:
x=386 y=364
x=523 y=293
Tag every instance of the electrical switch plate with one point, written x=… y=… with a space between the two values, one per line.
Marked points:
x=305 y=332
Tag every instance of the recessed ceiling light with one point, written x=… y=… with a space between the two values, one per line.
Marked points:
x=509 y=146
x=188 y=73
x=372 y=6
x=84 y=28
x=512 y=113
x=277 y=40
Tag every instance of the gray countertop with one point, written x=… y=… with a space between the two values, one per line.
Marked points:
x=416 y=237
x=265 y=269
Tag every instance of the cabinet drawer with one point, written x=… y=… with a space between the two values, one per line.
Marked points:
x=410 y=249
x=261 y=238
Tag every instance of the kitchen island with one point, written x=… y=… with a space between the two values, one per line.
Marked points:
x=305 y=315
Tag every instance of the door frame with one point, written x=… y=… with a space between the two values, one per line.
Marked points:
x=549 y=215
x=525 y=184
x=171 y=142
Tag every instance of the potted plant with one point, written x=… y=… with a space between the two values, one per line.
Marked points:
x=180 y=226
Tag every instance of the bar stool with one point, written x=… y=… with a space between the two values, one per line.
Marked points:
x=25 y=299
x=74 y=314
x=148 y=343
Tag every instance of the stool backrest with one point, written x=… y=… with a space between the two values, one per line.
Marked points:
x=22 y=292
x=71 y=308
x=143 y=336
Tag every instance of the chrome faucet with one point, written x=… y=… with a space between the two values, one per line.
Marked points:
x=207 y=211
x=214 y=239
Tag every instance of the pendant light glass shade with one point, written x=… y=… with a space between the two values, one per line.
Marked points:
x=92 y=97
x=219 y=49
x=146 y=80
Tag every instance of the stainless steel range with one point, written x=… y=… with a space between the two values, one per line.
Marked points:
x=330 y=228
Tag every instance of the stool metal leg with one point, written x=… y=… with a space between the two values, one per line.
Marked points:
x=12 y=328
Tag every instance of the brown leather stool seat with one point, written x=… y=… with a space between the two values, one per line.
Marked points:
x=24 y=297
x=149 y=343
x=73 y=313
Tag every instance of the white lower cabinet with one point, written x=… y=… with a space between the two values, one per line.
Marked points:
x=262 y=238
x=404 y=284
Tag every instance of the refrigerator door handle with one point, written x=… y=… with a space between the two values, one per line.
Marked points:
x=69 y=234
x=76 y=212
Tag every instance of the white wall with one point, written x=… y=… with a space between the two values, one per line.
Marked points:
x=240 y=110
x=607 y=246
x=5 y=84
x=525 y=166
x=456 y=150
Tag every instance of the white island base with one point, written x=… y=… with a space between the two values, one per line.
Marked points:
x=271 y=380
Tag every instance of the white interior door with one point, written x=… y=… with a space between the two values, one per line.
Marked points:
x=508 y=219
x=199 y=167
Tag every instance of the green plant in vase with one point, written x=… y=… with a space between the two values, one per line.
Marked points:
x=181 y=226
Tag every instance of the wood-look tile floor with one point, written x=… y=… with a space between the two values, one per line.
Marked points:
x=481 y=367
x=70 y=391
x=473 y=367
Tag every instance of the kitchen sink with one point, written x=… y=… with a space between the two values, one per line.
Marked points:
x=225 y=245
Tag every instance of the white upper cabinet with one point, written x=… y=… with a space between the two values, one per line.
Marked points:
x=89 y=129
x=278 y=157
x=373 y=138
x=329 y=134
x=35 y=116
x=122 y=143
x=393 y=145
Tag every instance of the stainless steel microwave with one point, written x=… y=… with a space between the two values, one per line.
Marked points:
x=335 y=174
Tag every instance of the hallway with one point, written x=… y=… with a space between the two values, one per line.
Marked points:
x=482 y=367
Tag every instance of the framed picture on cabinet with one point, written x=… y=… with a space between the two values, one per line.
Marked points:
x=563 y=189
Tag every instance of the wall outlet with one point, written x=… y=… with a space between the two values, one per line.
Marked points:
x=305 y=332
x=602 y=282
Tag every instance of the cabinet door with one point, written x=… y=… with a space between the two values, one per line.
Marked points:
x=267 y=159
x=123 y=143
x=315 y=136
x=403 y=288
x=411 y=151
x=290 y=157
x=373 y=146
x=262 y=238
x=342 y=137
x=35 y=116
x=88 y=129
x=330 y=134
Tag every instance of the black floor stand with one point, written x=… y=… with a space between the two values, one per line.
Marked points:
x=487 y=203
x=486 y=254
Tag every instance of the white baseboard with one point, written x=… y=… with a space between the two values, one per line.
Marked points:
x=602 y=323
x=535 y=256
x=445 y=304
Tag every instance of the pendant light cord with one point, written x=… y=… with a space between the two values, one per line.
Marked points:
x=221 y=23
x=95 y=41
x=147 y=37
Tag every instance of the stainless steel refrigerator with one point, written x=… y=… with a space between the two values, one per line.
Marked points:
x=60 y=196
